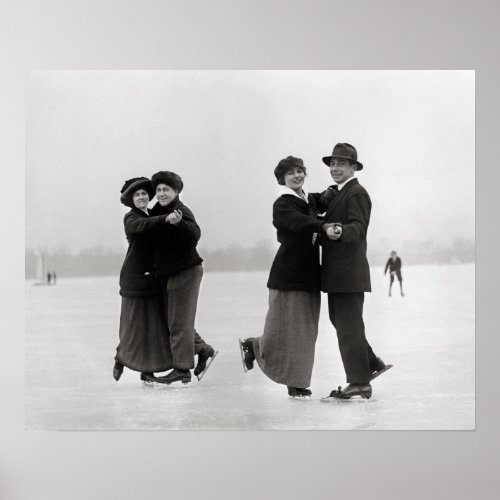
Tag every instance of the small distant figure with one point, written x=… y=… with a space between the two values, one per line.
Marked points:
x=394 y=265
x=49 y=278
x=54 y=277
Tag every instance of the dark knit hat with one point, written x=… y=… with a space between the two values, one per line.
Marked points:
x=285 y=165
x=169 y=178
x=133 y=185
x=344 y=150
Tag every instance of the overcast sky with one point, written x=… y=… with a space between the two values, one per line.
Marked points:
x=225 y=131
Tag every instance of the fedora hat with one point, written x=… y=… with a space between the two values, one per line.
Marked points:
x=344 y=150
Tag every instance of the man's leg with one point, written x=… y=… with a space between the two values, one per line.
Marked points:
x=346 y=315
x=181 y=299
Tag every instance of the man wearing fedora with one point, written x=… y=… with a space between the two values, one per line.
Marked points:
x=345 y=273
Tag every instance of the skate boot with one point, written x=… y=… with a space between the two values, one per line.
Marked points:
x=299 y=393
x=247 y=354
x=117 y=370
x=378 y=367
x=352 y=390
x=148 y=377
x=207 y=353
x=176 y=375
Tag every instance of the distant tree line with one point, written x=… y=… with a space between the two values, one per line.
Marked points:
x=100 y=261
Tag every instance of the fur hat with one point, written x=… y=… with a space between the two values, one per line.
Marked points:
x=285 y=165
x=133 y=185
x=169 y=178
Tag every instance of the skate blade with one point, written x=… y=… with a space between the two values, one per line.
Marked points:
x=242 y=356
x=353 y=399
x=173 y=386
x=301 y=398
x=149 y=385
x=200 y=376
x=376 y=374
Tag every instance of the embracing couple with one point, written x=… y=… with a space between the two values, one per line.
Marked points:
x=159 y=284
x=337 y=219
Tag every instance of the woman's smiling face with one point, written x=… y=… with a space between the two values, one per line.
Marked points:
x=140 y=199
x=294 y=178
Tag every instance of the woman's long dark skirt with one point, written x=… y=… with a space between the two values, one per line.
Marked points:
x=285 y=352
x=144 y=341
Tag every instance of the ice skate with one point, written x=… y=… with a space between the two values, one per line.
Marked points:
x=208 y=353
x=299 y=394
x=363 y=391
x=176 y=375
x=247 y=354
x=380 y=367
x=148 y=378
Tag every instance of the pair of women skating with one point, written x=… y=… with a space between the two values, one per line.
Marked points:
x=159 y=284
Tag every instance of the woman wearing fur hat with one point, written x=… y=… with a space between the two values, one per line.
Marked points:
x=144 y=343
x=177 y=265
x=285 y=351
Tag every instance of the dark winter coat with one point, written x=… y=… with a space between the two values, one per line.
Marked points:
x=394 y=266
x=344 y=266
x=136 y=275
x=296 y=264
x=174 y=245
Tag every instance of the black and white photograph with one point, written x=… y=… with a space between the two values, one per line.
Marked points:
x=250 y=250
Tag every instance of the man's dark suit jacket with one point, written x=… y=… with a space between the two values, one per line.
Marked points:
x=344 y=266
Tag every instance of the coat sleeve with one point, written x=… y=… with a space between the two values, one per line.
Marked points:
x=135 y=224
x=288 y=217
x=188 y=226
x=358 y=216
x=387 y=266
x=320 y=201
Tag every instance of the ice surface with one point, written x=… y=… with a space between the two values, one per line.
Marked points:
x=72 y=332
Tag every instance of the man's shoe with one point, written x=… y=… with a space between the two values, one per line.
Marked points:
x=352 y=390
x=117 y=370
x=148 y=377
x=378 y=367
x=247 y=354
x=203 y=356
x=176 y=375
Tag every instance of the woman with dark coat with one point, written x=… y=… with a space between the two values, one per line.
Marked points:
x=285 y=351
x=144 y=342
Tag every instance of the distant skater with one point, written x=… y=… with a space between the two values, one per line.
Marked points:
x=49 y=279
x=394 y=265
x=285 y=351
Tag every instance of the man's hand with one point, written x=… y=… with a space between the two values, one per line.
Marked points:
x=175 y=217
x=333 y=230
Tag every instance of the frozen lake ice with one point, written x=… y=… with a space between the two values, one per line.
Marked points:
x=72 y=332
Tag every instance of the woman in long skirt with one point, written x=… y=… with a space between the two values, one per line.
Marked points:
x=144 y=341
x=285 y=351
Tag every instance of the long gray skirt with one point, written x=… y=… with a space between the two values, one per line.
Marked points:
x=144 y=340
x=285 y=352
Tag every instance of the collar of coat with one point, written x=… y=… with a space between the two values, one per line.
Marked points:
x=340 y=186
x=173 y=205
x=287 y=190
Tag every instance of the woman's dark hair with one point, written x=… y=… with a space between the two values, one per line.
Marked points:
x=285 y=165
